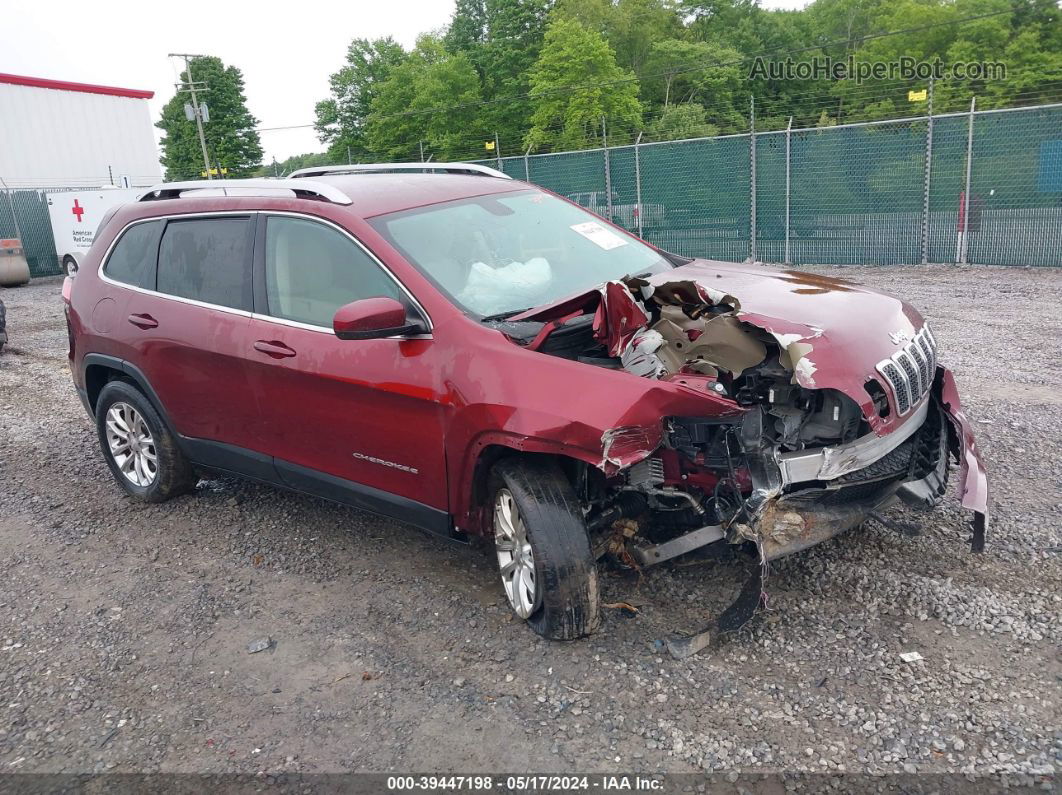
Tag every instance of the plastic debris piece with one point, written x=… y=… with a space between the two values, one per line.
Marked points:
x=681 y=648
x=261 y=644
x=628 y=609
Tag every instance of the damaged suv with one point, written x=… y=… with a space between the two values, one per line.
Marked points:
x=479 y=357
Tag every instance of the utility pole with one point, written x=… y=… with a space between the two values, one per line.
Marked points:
x=191 y=89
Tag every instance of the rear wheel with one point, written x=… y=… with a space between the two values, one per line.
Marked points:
x=70 y=266
x=547 y=570
x=141 y=452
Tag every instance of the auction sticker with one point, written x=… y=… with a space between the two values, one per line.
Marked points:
x=599 y=235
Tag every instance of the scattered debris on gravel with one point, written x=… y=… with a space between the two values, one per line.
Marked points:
x=124 y=628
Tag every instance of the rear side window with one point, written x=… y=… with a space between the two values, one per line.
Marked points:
x=133 y=259
x=207 y=259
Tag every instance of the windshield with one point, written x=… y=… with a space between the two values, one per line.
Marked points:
x=501 y=254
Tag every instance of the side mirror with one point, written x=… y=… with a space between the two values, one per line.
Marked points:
x=373 y=319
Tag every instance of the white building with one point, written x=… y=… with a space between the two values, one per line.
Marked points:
x=59 y=134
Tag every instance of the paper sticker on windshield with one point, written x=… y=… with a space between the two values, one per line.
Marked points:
x=599 y=235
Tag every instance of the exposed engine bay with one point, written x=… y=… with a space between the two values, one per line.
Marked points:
x=800 y=462
x=682 y=333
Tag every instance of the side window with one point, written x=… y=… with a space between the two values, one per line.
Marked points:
x=207 y=259
x=132 y=260
x=311 y=270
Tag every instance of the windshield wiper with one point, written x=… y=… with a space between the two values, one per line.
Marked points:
x=504 y=315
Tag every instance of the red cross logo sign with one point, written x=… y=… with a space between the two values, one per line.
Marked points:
x=78 y=210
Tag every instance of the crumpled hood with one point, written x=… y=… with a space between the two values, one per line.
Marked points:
x=834 y=331
x=841 y=330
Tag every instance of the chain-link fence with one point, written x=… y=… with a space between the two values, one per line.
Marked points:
x=886 y=193
x=24 y=213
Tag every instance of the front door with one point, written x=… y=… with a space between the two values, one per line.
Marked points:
x=354 y=420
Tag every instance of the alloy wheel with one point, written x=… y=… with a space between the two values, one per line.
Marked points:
x=131 y=445
x=516 y=560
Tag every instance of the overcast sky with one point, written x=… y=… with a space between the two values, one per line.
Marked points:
x=286 y=51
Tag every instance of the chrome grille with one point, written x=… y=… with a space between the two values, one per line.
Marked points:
x=898 y=384
x=920 y=361
x=910 y=371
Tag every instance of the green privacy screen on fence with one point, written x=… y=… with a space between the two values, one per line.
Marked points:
x=35 y=227
x=856 y=194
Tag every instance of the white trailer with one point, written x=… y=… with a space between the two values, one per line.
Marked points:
x=76 y=215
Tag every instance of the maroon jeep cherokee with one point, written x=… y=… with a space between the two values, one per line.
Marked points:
x=479 y=357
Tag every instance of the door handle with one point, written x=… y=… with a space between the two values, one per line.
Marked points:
x=143 y=321
x=278 y=350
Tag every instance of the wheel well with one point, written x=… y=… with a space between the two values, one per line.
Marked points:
x=97 y=376
x=574 y=469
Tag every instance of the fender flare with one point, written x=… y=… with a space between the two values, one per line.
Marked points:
x=134 y=374
x=464 y=507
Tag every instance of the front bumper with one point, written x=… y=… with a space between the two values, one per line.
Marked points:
x=805 y=498
x=973 y=479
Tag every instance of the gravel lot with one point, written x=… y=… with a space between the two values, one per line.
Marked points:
x=124 y=627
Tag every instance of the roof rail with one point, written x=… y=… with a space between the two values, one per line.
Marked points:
x=203 y=188
x=474 y=169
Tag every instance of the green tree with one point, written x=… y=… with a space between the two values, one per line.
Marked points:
x=684 y=120
x=341 y=118
x=575 y=83
x=502 y=40
x=635 y=25
x=432 y=96
x=593 y=15
x=630 y=26
x=1022 y=34
x=231 y=138
x=696 y=71
x=468 y=26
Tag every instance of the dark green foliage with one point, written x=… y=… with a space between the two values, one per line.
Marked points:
x=232 y=140
x=542 y=73
x=342 y=118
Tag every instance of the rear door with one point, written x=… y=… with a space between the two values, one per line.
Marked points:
x=340 y=415
x=189 y=329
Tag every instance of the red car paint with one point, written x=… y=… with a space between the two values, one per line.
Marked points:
x=438 y=409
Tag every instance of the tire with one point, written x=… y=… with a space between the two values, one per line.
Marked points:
x=564 y=605
x=170 y=475
x=70 y=266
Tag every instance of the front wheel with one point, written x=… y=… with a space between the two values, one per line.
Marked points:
x=70 y=266
x=547 y=570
